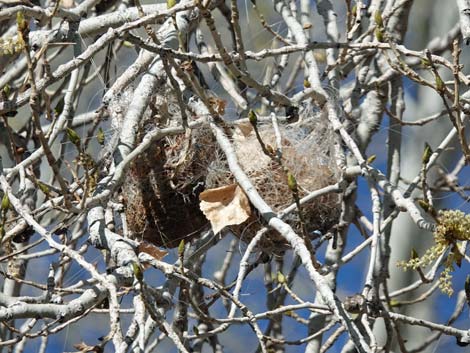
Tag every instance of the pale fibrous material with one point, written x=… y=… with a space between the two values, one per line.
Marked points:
x=305 y=149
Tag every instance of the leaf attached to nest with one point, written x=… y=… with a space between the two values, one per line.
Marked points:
x=152 y=250
x=225 y=206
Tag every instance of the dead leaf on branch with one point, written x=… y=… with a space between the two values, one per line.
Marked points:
x=218 y=105
x=83 y=347
x=225 y=206
x=152 y=250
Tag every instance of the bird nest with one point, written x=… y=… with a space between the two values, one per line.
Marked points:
x=162 y=186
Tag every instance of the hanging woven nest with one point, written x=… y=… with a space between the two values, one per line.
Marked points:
x=162 y=187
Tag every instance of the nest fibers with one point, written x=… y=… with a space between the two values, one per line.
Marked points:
x=162 y=186
x=163 y=183
x=308 y=153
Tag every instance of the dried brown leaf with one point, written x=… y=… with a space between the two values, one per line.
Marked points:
x=218 y=105
x=83 y=347
x=225 y=206
x=152 y=250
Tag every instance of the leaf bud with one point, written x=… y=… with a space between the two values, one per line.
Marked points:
x=5 y=202
x=252 y=117
x=291 y=182
x=378 y=19
x=73 y=136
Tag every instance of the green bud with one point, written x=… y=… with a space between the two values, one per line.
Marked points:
x=73 y=136
x=170 y=3
x=414 y=254
x=280 y=277
x=371 y=159
x=252 y=117
x=44 y=188
x=427 y=153
x=127 y=44
x=21 y=22
x=59 y=108
x=379 y=34
x=291 y=182
x=100 y=136
x=354 y=10
x=307 y=83
x=7 y=89
x=181 y=248
x=378 y=19
x=138 y=273
x=425 y=62
x=19 y=18
x=440 y=86
x=5 y=202
x=2 y=232
x=424 y=205
x=427 y=207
